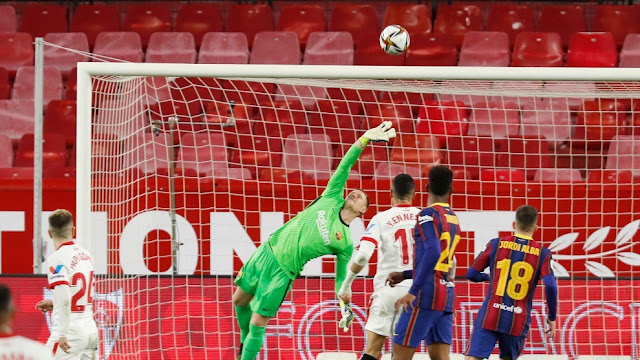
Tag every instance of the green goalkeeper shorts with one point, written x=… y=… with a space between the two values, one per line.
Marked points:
x=263 y=278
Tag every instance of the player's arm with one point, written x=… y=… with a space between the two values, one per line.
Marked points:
x=551 y=292
x=475 y=272
x=383 y=132
x=366 y=248
x=341 y=269
x=62 y=303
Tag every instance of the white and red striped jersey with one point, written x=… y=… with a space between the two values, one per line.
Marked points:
x=72 y=265
x=392 y=232
x=19 y=347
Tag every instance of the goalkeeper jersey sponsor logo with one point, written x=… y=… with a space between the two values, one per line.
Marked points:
x=321 y=221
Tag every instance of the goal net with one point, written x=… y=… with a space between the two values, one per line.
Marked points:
x=193 y=166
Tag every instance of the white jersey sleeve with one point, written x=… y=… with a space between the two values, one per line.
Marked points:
x=19 y=347
x=372 y=232
x=395 y=241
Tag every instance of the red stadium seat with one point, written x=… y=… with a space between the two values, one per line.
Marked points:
x=624 y=154
x=71 y=87
x=224 y=48
x=630 y=53
x=307 y=95
x=526 y=153
x=94 y=19
x=471 y=153
x=485 y=48
x=357 y=19
x=39 y=19
x=229 y=173
x=171 y=47
x=60 y=118
x=598 y=122
x=369 y=52
x=396 y=112
x=592 y=49
x=237 y=116
x=257 y=152
x=53 y=151
x=8 y=19
x=610 y=176
x=147 y=18
x=17 y=118
x=511 y=19
x=416 y=150
x=495 y=119
x=558 y=175
x=303 y=20
x=502 y=175
x=308 y=153
x=249 y=19
x=565 y=20
x=443 y=119
x=370 y=157
x=17 y=51
x=62 y=59
x=23 y=86
x=5 y=84
x=538 y=49
x=416 y=18
x=547 y=119
x=202 y=151
x=286 y=42
x=147 y=152
x=199 y=19
x=619 y=20
x=119 y=45
x=107 y=119
x=335 y=119
x=432 y=50
x=456 y=20
x=6 y=151
x=329 y=48
x=281 y=118
x=388 y=170
x=280 y=175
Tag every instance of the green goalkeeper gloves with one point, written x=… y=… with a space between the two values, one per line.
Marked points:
x=347 y=316
x=382 y=132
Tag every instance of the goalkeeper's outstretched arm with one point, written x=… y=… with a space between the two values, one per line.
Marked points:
x=382 y=132
x=359 y=262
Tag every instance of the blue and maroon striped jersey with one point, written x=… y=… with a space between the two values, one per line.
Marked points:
x=436 y=235
x=516 y=263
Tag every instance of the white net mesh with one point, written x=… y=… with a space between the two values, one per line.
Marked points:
x=234 y=159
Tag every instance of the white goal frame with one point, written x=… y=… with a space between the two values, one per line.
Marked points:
x=88 y=69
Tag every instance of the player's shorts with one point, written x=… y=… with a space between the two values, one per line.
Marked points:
x=383 y=315
x=419 y=324
x=263 y=278
x=483 y=342
x=82 y=346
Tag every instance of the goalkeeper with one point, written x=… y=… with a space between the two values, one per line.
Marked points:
x=321 y=229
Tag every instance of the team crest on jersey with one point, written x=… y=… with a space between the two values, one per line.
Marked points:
x=339 y=235
x=55 y=270
x=370 y=227
x=108 y=312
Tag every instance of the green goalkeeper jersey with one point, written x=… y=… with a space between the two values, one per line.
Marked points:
x=318 y=230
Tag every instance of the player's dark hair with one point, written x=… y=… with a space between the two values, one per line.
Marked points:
x=5 y=299
x=61 y=223
x=526 y=217
x=440 y=180
x=403 y=186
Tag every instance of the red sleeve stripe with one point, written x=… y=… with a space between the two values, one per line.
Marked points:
x=55 y=348
x=62 y=282
x=366 y=238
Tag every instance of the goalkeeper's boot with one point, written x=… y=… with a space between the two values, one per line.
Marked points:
x=239 y=357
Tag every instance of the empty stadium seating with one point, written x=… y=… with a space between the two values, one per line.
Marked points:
x=558 y=175
x=417 y=150
x=202 y=152
x=60 y=118
x=592 y=49
x=494 y=119
x=125 y=46
x=368 y=52
x=53 y=151
x=63 y=59
x=485 y=48
x=357 y=19
x=630 y=52
x=443 y=119
x=329 y=48
x=6 y=151
x=199 y=19
x=456 y=20
x=52 y=82
x=624 y=154
x=432 y=50
x=224 y=48
x=308 y=153
x=528 y=154
x=618 y=20
x=544 y=118
x=562 y=19
x=8 y=19
x=147 y=152
x=537 y=49
x=303 y=20
x=17 y=51
x=5 y=84
x=171 y=47
x=94 y=19
x=287 y=43
x=39 y=19
x=147 y=18
x=250 y=20
x=511 y=19
x=598 y=122
x=416 y=18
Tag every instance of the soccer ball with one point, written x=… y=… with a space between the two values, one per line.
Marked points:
x=394 y=39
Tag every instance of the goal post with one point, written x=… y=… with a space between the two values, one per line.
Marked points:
x=193 y=166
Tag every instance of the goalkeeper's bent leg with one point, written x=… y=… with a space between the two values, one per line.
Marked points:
x=243 y=314
x=253 y=342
